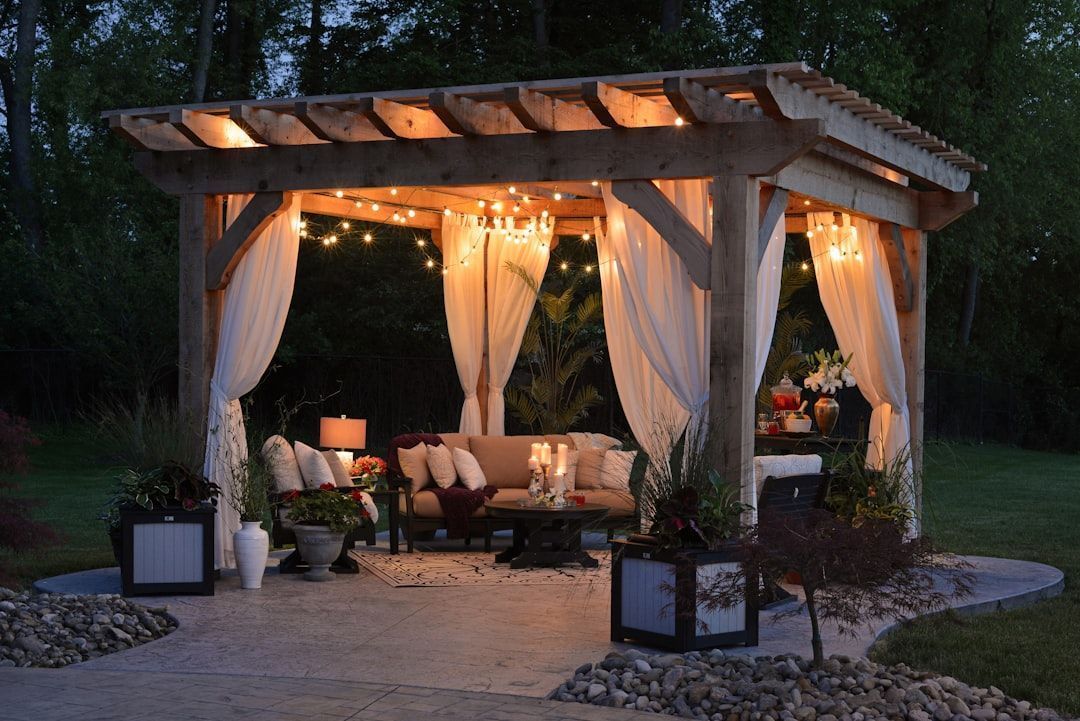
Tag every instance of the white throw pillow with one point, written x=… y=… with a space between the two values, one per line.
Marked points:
x=342 y=479
x=281 y=462
x=313 y=466
x=570 y=479
x=369 y=506
x=413 y=462
x=469 y=470
x=441 y=464
x=615 y=470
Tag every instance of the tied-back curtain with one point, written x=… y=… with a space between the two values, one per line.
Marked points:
x=463 y=239
x=510 y=303
x=652 y=410
x=770 y=272
x=857 y=294
x=254 y=310
x=668 y=314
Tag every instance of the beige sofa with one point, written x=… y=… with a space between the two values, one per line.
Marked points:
x=504 y=461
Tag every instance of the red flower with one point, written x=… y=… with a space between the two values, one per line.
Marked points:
x=358 y=496
x=872 y=492
x=291 y=496
x=189 y=504
x=327 y=487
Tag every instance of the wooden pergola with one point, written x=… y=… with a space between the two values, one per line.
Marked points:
x=772 y=139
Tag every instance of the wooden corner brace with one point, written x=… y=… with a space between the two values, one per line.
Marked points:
x=256 y=216
x=892 y=242
x=646 y=199
x=771 y=211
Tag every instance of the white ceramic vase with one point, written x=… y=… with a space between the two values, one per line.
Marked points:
x=251 y=544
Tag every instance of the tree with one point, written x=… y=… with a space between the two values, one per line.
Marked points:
x=18 y=531
x=203 y=45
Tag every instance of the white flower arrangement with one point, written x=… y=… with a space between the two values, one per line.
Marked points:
x=831 y=373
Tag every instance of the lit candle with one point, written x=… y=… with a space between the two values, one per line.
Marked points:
x=534 y=463
x=536 y=450
x=559 y=485
x=560 y=458
x=545 y=455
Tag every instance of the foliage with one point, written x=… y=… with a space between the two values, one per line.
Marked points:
x=786 y=355
x=248 y=493
x=326 y=506
x=860 y=494
x=143 y=433
x=19 y=532
x=559 y=340
x=850 y=575
x=169 y=485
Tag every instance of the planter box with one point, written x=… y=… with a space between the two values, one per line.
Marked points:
x=167 y=551
x=654 y=599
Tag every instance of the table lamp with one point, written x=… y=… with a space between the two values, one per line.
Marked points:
x=341 y=434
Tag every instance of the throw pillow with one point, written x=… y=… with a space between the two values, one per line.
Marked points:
x=469 y=470
x=441 y=464
x=587 y=472
x=281 y=462
x=337 y=468
x=313 y=466
x=615 y=470
x=570 y=479
x=413 y=462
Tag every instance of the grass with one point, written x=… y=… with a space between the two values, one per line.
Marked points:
x=998 y=501
x=983 y=500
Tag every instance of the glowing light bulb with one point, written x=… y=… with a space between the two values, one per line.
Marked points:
x=565 y=266
x=445 y=271
x=525 y=198
x=420 y=242
x=368 y=238
x=393 y=191
x=359 y=204
x=326 y=241
x=512 y=190
x=588 y=269
x=595 y=183
x=585 y=237
x=375 y=207
x=339 y=193
x=678 y=121
x=412 y=213
x=835 y=252
x=430 y=263
x=805 y=265
x=806 y=202
x=809 y=234
x=543 y=214
x=496 y=206
x=397 y=216
x=333 y=238
x=517 y=208
x=345 y=225
x=303 y=224
x=446 y=211
x=303 y=233
x=835 y=227
x=557 y=195
x=481 y=203
x=465 y=262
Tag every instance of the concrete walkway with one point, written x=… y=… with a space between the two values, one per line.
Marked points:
x=517 y=640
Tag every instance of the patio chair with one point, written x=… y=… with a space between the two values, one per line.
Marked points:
x=789 y=498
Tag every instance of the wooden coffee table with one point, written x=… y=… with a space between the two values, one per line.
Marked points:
x=546 y=536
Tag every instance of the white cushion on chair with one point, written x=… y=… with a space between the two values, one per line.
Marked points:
x=780 y=466
x=313 y=466
x=280 y=460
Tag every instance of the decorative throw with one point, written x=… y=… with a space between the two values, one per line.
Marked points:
x=458 y=504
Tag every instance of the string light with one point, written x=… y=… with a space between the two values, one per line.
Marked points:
x=465 y=262
x=481 y=203
x=333 y=238
x=344 y=225
x=805 y=265
x=511 y=190
x=543 y=214
x=303 y=224
x=585 y=236
x=557 y=195
x=420 y=242
x=393 y=191
x=430 y=263
x=397 y=216
x=412 y=213
x=678 y=121
x=368 y=237
x=339 y=193
x=806 y=202
x=326 y=241
x=496 y=206
x=375 y=207
x=525 y=199
x=359 y=204
x=595 y=183
x=446 y=211
x=303 y=233
x=588 y=269
x=445 y=271
x=809 y=234
x=517 y=208
x=565 y=266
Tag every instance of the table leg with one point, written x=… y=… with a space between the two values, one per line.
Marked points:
x=517 y=545
x=394 y=522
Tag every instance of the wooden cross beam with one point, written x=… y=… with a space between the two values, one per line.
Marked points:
x=272 y=128
x=335 y=124
x=892 y=242
x=238 y=237
x=544 y=113
x=941 y=207
x=647 y=201
x=771 y=210
x=149 y=134
x=209 y=131
x=696 y=103
x=617 y=108
x=468 y=117
x=397 y=120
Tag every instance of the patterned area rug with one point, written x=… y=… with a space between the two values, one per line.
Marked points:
x=449 y=568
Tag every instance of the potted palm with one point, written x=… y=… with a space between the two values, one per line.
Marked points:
x=248 y=498
x=694 y=536
x=323 y=517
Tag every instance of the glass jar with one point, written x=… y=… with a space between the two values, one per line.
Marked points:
x=786 y=396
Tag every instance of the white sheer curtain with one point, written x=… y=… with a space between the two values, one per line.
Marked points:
x=255 y=306
x=857 y=294
x=770 y=272
x=510 y=303
x=668 y=314
x=463 y=294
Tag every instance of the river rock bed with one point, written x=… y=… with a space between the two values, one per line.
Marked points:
x=716 y=686
x=57 y=629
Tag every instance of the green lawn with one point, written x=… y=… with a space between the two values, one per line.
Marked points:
x=995 y=501
x=986 y=500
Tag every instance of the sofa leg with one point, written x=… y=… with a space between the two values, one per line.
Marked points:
x=487 y=539
x=468 y=538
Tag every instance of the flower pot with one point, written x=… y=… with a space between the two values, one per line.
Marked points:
x=318 y=546
x=251 y=544
x=826 y=413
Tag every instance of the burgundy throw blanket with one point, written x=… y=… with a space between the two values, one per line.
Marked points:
x=458 y=503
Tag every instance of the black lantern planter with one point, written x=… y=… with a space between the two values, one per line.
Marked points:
x=167 y=551
x=654 y=599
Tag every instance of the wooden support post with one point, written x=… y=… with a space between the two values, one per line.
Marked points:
x=732 y=385
x=913 y=344
x=200 y=311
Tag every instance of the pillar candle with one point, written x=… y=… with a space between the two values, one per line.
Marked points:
x=559 y=484
x=534 y=463
x=560 y=458
x=545 y=455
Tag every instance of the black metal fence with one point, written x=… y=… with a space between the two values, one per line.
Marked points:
x=421 y=393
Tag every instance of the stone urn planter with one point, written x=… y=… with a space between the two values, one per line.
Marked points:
x=319 y=547
x=251 y=544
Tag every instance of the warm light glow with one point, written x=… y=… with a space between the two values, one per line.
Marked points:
x=446 y=211
x=496 y=206
x=512 y=190
x=588 y=269
x=525 y=198
x=481 y=203
x=303 y=233
x=834 y=251
x=375 y=207
x=359 y=204
x=543 y=214
x=339 y=193
x=397 y=216
x=342 y=432
x=445 y=271
x=517 y=208
x=333 y=238
x=595 y=183
x=303 y=224
x=402 y=219
x=679 y=121
x=368 y=238
x=465 y=262
x=809 y=234
x=835 y=226
x=393 y=191
x=326 y=241
x=430 y=263
x=585 y=237
x=806 y=202
x=557 y=195
x=805 y=265
x=420 y=242
x=344 y=225
x=565 y=266
x=858 y=256
x=412 y=213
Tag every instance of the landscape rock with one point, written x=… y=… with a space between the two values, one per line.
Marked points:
x=57 y=630
x=717 y=686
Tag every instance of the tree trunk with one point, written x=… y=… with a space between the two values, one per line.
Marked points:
x=312 y=68
x=815 y=629
x=670 y=16
x=203 y=45
x=970 y=298
x=540 y=30
x=17 y=80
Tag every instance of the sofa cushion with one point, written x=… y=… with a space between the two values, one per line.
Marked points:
x=621 y=503
x=584 y=440
x=313 y=466
x=468 y=470
x=505 y=459
x=588 y=468
x=615 y=470
x=413 y=464
x=280 y=459
x=554 y=439
x=407 y=440
x=341 y=474
x=426 y=505
x=440 y=462
x=456 y=440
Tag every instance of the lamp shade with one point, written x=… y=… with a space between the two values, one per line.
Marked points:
x=343 y=432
